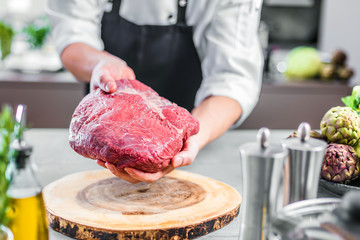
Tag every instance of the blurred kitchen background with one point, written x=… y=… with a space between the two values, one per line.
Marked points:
x=311 y=49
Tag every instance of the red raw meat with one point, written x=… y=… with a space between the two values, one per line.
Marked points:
x=133 y=127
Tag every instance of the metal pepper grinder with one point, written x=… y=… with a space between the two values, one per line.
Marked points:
x=261 y=165
x=302 y=168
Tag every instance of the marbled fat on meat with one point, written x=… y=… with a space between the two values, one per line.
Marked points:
x=133 y=127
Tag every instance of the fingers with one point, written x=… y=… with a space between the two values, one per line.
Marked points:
x=128 y=73
x=107 y=83
x=112 y=168
x=107 y=71
x=120 y=174
x=182 y=159
x=148 y=177
x=187 y=155
x=177 y=161
x=100 y=163
x=133 y=175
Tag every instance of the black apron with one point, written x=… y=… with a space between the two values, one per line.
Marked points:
x=162 y=57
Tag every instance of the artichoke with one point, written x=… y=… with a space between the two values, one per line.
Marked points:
x=327 y=71
x=339 y=57
x=341 y=163
x=345 y=73
x=341 y=125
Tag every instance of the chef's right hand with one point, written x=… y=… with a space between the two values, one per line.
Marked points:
x=185 y=157
x=107 y=71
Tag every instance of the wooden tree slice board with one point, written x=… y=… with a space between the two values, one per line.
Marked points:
x=97 y=205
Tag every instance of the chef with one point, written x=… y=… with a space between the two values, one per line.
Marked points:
x=203 y=55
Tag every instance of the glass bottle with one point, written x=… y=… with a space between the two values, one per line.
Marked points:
x=26 y=212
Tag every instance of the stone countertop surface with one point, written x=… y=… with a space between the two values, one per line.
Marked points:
x=219 y=160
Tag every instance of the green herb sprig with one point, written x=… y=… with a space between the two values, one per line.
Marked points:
x=353 y=101
x=37 y=31
x=6 y=36
x=7 y=123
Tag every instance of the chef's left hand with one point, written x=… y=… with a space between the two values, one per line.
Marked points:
x=185 y=157
x=107 y=71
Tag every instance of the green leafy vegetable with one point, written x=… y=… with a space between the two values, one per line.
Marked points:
x=7 y=122
x=37 y=32
x=6 y=37
x=353 y=101
x=302 y=63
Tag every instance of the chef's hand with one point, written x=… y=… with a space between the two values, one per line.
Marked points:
x=107 y=71
x=185 y=157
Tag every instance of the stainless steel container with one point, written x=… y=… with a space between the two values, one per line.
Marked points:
x=261 y=164
x=319 y=219
x=302 y=168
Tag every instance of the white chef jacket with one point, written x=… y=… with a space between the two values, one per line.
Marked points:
x=225 y=36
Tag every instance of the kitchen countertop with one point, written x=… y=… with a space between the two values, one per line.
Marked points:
x=218 y=160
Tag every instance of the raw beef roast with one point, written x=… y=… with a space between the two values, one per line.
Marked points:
x=133 y=127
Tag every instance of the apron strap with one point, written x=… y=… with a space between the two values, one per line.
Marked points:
x=181 y=12
x=116 y=6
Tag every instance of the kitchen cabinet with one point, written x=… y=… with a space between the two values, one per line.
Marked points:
x=285 y=105
x=52 y=97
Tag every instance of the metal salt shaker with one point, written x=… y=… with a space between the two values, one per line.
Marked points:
x=302 y=168
x=261 y=165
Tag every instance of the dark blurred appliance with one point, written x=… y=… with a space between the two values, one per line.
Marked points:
x=292 y=22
